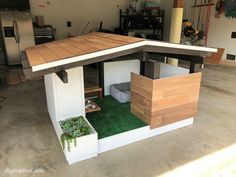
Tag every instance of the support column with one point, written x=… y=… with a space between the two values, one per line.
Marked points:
x=101 y=76
x=143 y=61
x=176 y=26
x=65 y=100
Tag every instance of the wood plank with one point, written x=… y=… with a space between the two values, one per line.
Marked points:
x=104 y=42
x=83 y=47
x=173 y=116
x=142 y=100
x=172 y=82
x=142 y=82
x=182 y=90
x=171 y=99
x=34 y=56
x=144 y=110
x=107 y=40
x=118 y=37
x=93 y=89
x=143 y=117
x=47 y=54
x=159 y=112
x=141 y=91
x=215 y=58
x=58 y=50
x=85 y=41
x=73 y=50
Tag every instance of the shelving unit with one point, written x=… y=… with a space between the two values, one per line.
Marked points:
x=43 y=34
x=143 y=22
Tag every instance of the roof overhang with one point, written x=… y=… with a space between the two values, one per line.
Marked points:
x=163 y=48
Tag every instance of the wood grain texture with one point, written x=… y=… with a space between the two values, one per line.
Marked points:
x=165 y=101
x=35 y=57
x=76 y=46
x=119 y=38
x=47 y=54
x=72 y=49
x=215 y=58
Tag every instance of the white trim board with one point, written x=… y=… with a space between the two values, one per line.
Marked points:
x=122 y=139
x=119 y=49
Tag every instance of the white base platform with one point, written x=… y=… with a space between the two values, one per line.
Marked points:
x=89 y=146
x=67 y=100
x=122 y=139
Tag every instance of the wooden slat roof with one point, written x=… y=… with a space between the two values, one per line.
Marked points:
x=91 y=47
x=76 y=46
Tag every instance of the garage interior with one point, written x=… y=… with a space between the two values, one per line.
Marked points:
x=28 y=143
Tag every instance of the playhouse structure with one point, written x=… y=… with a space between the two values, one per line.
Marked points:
x=157 y=105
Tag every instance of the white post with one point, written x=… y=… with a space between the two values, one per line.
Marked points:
x=176 y=26
x=65 y=100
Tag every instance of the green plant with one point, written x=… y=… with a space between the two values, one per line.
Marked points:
x=73 y=128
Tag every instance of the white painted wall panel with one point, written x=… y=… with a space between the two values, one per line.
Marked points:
x=65 y=100
x=119 y=71
x=170 y=70
x=52 y=101
x=220 y=29
x=71 y=95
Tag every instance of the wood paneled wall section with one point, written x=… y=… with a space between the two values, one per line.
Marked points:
x=164 y=101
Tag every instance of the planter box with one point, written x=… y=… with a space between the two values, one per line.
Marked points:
x=86 y=146
x=167 y=100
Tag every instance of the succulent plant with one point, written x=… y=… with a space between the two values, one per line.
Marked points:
x=73 y=128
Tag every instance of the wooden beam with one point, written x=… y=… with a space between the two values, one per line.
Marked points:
x=63 y=76
x=146 y=57
x=101 y=76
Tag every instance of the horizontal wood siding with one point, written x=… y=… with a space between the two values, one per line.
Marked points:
x=165 y=101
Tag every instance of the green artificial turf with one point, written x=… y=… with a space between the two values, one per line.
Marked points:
x=113 y=118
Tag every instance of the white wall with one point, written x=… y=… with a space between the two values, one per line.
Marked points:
x=65 y=100
x=79 y=12
x=220 y=33
x=171 y=71
x=220 y=29
x=118 y=72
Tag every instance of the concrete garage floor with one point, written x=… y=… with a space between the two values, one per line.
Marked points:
x=28 y=140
